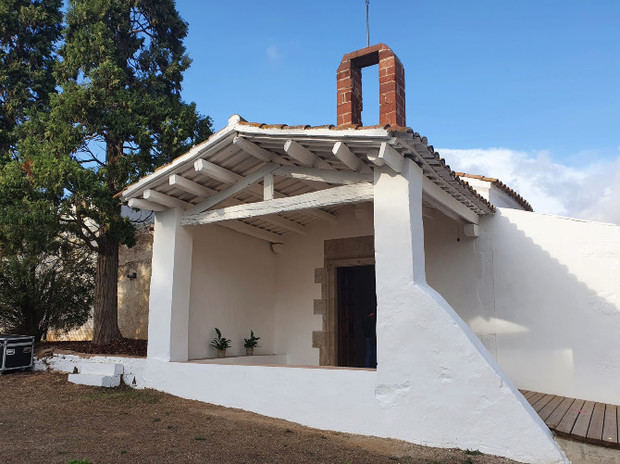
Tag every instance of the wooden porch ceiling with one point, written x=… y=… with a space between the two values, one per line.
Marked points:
x=244 y=164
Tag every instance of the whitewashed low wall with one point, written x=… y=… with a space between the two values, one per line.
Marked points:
x=257 y=359
x=133 y=373
x=344 y=400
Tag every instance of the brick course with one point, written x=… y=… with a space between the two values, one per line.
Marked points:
x=391 y=86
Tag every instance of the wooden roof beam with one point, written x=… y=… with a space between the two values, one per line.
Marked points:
x=252 y=231
x=242 y=184
x=345 y=194
x=348 y=158
x=447 y=204
x=163 y=199
x=388 y=156
x=300 y=154
x=190 y=186
x=219 y=173
x=139 y=203
x=322 y=175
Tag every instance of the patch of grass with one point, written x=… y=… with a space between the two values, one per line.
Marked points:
x=468 y=461
x=157 y=419
x=473 y=452
x=123 y=394
x=199 y=438
x=123 y=451
x=79 y=461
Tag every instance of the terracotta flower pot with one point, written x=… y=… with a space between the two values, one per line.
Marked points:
x=249 y=351
x=221 y=353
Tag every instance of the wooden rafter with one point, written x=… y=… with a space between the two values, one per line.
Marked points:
x=241 y=184
x=255 y=190
x=346 y=194
x=252 y=231
x=189 y=186
x=388 y=156
x=341 y=151
x=163 y=199
x=139 y=203
x=322 y=175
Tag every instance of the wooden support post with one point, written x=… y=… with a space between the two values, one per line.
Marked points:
x=268 y=187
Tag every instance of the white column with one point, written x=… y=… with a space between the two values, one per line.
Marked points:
x=170 y=287
x=435 y=380
x=399 y=256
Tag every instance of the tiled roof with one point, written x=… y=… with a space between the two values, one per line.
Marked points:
x=500 y=185
x=391 y=129
x=394 y=131
x=269 y=136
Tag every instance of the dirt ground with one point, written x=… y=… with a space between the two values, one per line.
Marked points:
x=45 y=419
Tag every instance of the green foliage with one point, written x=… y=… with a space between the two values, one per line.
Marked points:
x=251 y=342
x=28 y=31
x=46 y=281
x=219 y=342
x=118 y=116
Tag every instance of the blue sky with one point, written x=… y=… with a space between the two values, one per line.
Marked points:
x=527 y=91
x=529 y=75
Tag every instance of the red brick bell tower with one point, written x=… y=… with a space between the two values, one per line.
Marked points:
x=391 y=86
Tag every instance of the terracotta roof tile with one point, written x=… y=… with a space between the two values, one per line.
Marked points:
x=500 y=185
x=463 y=188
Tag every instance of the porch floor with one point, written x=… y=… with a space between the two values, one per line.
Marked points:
x=586 y=421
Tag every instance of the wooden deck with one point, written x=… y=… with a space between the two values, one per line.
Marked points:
x=581 y=420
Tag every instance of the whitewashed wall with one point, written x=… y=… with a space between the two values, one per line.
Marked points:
x=543 y=294
x=496 y=196
x=296 y=290
x=232 y=288
x=239 y=284
x=557 y=287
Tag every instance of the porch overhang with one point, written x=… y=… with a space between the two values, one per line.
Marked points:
x=230 y=179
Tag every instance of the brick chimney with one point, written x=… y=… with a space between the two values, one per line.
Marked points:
x=391 y=86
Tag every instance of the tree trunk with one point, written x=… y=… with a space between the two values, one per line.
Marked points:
x=106 y=303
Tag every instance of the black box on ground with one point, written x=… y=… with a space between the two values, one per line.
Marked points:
x=16 y=352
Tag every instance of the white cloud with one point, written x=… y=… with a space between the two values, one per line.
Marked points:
x=589 y=191
x=273 y=53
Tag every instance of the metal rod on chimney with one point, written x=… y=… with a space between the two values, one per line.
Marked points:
x=367 y=28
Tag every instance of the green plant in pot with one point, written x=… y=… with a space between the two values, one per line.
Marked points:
x=250 y=343
x=220 y=343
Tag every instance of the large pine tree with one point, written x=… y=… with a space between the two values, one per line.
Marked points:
x=45 y=281
x=29 y=30
x=119 y=115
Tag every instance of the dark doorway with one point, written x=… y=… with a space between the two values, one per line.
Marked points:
x=357 y=316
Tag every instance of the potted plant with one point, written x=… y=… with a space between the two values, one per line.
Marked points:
x=250 y=343
x=220 y=343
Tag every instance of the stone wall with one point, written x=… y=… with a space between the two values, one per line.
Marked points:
x=134 y=279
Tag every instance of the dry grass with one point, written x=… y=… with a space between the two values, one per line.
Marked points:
x=45 y=419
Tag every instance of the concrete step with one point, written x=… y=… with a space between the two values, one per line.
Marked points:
x=96 y=380
x=101 y=368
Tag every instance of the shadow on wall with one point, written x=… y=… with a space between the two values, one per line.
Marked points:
x=543 y=293
x=560 y=279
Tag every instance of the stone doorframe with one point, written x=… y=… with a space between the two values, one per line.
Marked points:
x=341 y=252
